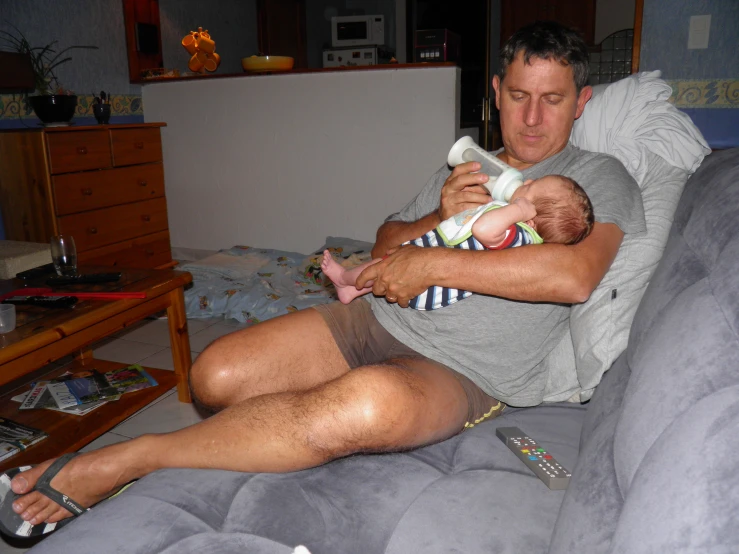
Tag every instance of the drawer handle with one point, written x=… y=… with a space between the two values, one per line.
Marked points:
x=86 y=192
x=146 y=217
x=92 y=230
x=149 y=252
x=82 y=150
x=142 y=183
x=139 y=145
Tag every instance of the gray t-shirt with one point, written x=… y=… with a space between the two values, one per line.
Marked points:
x=502 y=344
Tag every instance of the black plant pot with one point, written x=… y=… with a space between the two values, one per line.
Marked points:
x=54 y=108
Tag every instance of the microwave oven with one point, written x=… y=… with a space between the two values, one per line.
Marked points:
x=357 y=30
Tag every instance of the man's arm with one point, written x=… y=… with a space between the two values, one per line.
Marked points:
x=461 y=190
x=394 y=233
x=540 y=273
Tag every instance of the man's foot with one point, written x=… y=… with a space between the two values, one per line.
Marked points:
x=344 y=280
x=88 y=479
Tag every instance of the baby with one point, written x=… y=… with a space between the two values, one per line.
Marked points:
x=550 y=209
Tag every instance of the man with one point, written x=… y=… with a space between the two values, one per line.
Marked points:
x=306 y=388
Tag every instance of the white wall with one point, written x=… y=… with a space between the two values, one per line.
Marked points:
x=283 y=161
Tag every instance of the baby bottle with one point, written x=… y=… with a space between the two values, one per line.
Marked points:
x=503 y=178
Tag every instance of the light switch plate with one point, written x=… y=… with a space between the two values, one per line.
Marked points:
x=699 y=31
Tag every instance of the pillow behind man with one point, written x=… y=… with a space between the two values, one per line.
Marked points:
x=660 y=147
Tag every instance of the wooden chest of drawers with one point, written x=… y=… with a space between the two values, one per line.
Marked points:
x=103 y=185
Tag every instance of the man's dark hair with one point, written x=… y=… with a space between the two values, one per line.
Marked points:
x=548 y=40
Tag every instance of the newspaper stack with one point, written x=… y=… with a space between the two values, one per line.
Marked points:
x=15 y=437
x=80 y=394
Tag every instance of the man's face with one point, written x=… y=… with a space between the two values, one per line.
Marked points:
x=538 y=105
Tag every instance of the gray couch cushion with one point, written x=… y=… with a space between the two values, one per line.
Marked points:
x=656 y=470
x=466 y=494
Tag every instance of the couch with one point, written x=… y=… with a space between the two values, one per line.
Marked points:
x=652 y=454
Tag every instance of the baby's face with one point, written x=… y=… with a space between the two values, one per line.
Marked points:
x=545 y=186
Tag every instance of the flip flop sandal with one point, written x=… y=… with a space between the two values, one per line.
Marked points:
x=12 y=524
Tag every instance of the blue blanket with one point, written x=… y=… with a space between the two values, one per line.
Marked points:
x=254 y=284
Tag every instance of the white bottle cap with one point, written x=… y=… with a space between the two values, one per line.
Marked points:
x=455 y=154
x=506 y=184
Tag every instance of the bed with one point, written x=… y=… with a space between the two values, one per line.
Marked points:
x=254 y=284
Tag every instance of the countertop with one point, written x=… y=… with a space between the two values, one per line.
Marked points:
x=380 y=67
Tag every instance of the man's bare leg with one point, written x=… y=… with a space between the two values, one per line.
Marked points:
x=288 y=353
x=403 y=404
x=345 y=279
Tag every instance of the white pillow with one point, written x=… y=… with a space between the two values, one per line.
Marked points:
x=631 y=117
x=660 y=147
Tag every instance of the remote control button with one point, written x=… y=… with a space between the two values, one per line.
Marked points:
x=547 y=457
x=533 y=458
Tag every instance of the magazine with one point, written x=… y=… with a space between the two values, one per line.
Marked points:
x=38 y=397
x=68 y=393
x=129 y=379
x=15 y=437
x=48 y=403
x=82 y=392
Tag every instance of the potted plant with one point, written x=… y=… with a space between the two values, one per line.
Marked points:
x=52 y=104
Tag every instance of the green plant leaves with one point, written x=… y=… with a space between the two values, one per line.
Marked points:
x=44 y=59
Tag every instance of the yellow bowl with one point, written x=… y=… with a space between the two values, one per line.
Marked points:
x=267 y=63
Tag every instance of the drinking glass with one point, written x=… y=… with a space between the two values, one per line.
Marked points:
x=64 y=255
x=7 y=318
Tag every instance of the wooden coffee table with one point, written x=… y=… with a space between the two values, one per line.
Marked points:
x=44 y=335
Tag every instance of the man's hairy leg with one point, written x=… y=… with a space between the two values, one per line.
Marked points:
x=288 y=353
x=399 y=405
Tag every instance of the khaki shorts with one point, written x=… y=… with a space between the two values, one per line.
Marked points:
x=363 y=341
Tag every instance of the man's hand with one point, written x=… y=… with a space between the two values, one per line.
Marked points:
x=463 y=190
x=404 y=274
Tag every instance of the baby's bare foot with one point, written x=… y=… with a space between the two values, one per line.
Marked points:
x=343 y=279
x=334 y=270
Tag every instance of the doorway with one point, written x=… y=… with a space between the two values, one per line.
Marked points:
x=473 y=26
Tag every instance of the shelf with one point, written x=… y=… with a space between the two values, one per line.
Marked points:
x=69 y=433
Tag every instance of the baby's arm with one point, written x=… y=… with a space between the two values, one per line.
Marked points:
x=490 y=228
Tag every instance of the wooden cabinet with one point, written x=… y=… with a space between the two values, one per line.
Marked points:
x=103 y=185
x=576 y=14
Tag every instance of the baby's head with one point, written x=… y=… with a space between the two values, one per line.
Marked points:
x=564 y=213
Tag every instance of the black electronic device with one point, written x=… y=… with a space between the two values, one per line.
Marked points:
x=536 y=458
x=36 y=272
x=436 y=45
x=147 y=38
x=88 y=278
x=43 y=301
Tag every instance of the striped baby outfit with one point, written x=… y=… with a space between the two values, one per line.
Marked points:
x=460 y=236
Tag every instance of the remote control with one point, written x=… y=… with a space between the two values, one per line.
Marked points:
x=536 y=458
x=40 y=271
x=84 y=279
x=43 y=301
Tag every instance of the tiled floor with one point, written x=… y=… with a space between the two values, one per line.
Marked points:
x=147 y=343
